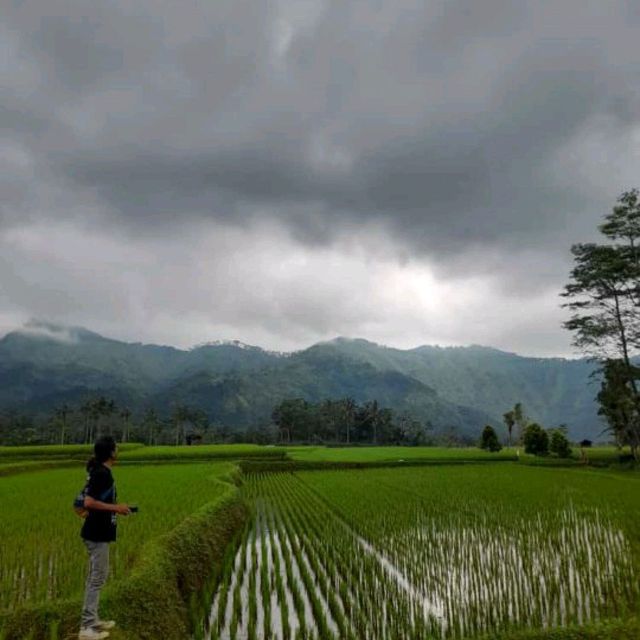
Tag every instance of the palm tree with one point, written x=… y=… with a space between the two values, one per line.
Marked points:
x=103 y=408
x=509 y=420
x=181 y=414
x=125 y=414
x=374 y=416
x=350 y=411
x=520 y=418
x=151 y=420
x=85 y=410
x=61 y=414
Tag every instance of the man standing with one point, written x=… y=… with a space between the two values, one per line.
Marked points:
x=98 y=530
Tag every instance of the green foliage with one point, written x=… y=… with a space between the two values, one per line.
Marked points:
x=239 y=387
x=604 y=297
x=344 y=421
x=559 y=444
x=536 y=440
x=509 y=421
x=489 y=440
x=619 y=403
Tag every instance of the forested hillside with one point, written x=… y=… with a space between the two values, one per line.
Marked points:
x=238 y=385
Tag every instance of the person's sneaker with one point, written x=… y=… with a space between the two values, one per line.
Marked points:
x=105 y=625
x=90 y=633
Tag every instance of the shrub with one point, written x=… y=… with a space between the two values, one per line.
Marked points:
x=536 y=440
x=559 y=445
x=489 y=440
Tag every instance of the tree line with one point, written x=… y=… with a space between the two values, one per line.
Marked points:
x=293 y=420
x=346 y=422
x=100 y=415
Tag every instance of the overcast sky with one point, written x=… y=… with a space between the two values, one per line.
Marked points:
x=285 y=172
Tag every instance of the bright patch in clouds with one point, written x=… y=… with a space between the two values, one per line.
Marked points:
x=254 y=284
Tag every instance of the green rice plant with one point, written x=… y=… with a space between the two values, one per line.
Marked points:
x=397 y=454
x=42 y=558
x=396 y=526
x=202 y=452
x=439 y=551
x=53 y=451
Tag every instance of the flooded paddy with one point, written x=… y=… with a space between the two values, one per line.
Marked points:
x=424 y=553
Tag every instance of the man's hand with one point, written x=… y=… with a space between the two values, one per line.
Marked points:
x=96 y=505
x=122 y=509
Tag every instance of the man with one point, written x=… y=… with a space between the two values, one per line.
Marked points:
x=98 y=531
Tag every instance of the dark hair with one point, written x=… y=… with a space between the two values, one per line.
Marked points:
x=103 y=449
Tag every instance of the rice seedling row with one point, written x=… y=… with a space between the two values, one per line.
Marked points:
x=417 y=553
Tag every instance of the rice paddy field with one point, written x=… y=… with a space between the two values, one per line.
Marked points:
x=201 y=452
x=431 y=552
x=396 y=454
x=42 y=557
x=434 y=551
x=604 y=454
x=136 y=452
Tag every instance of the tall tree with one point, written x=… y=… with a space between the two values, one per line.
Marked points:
x=349 y=416
x=103 y=410
x=536 y=440
x=125 y=414
x=604 y=298
x=520 y=418
x=181 y=415
x=293 y=418
x=86 y=410
x=150 y=422
x=489 y=439
x=509 y=421
x=62 y=414
x=617 y=403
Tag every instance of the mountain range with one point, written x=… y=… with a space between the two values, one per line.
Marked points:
x=44 y=365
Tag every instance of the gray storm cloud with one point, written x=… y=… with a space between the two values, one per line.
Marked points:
x=479 y=139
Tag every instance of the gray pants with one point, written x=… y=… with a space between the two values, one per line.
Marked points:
x=97 y=576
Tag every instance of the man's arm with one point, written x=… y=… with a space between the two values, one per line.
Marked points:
x=97 y=505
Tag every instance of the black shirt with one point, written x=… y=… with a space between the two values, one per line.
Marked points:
x=100 y=526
